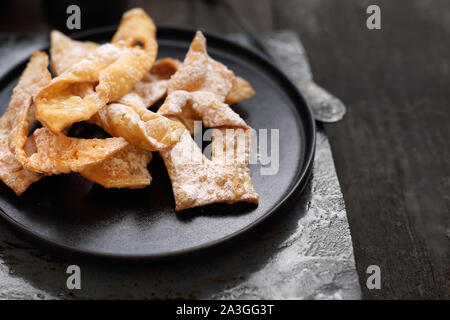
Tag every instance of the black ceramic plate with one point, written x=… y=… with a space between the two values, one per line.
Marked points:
x=71 y=213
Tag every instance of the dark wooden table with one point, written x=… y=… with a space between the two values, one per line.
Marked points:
x=392 y=150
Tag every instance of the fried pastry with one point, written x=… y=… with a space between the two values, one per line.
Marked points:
x=200 y=72
x=197 y=91
x=103 y=76
x=146 y=92
x=153 y=86
x=33 y=79
x=113 y=85
x=126 y=169
x=65 y=52
x=241 y=90
x=137 y=29
x=139 y=126
x=56 y=154
x=123 y=118
x=48 y=153
x=200 y=105
x=198 y=181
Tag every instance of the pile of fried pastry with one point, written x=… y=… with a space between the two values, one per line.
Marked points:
x=113 y=85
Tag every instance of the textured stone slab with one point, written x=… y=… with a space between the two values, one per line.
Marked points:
x=304 y=252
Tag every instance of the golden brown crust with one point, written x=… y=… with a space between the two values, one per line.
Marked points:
x=34 y=77
x=61 y=154
x=201 y=72
x=200 y=105
x=150 y=130
x=127 y=169
x=104 y=75
x=136 y=26
x=240 y=91
x=153 y=86
x=45 y=152
x=197 y=92
x=139 y=126
x=49 y=153
x=86 y=87
x=197 y=181
x=113 y=85
x=164 y=68
x=65 y=52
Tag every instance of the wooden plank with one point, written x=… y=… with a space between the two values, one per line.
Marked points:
x=24 y=15
x=391 y=151
x=167 y=12
x=212 y=17
x=21 y=16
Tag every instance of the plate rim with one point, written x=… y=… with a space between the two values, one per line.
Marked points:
x=298 y=186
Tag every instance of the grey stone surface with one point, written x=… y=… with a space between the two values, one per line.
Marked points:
x=304 y=252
